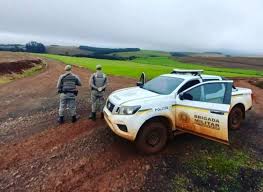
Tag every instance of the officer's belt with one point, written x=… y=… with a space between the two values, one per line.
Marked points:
x=92 y=88
x=65 y=92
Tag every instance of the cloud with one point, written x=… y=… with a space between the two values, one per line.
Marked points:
x=193 y=25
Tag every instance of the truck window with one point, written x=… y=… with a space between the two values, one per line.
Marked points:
x=211 y=93
x=188 y=85
x=163 y=85
x=214 y=88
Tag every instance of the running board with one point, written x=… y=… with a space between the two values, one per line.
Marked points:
x=178 y=132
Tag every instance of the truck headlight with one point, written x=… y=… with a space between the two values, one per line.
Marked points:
x=129 y=110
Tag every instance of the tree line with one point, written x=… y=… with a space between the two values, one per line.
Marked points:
x=32 y=47
x=99 y=50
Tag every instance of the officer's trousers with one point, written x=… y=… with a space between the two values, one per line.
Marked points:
x=67 y=101
x=97 y=101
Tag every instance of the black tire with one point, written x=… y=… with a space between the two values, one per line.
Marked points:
x=235 y=118
x=152 y=138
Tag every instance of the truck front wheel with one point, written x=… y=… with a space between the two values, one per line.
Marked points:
x=152 y=138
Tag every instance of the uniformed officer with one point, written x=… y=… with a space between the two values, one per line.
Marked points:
x=98 y=82
x=67 y=89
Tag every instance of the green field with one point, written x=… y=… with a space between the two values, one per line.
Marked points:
x=152 y=66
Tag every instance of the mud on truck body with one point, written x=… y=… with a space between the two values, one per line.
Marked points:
x=183 y=101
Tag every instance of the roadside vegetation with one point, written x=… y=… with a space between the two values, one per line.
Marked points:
x=220 y=168
x=152 y=66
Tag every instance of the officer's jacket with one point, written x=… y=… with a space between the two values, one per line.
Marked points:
x=67 y=83
x=97 y=80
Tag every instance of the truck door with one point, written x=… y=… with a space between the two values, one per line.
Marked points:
x=203 y=110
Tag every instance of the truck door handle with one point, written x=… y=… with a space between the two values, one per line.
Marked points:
x=217 y=112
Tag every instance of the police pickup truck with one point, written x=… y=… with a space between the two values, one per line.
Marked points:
x=185 y=100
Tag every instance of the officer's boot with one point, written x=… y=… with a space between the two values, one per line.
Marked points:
x=74 y=119
x=92 y=116
x=61 y=119
x=102 y=115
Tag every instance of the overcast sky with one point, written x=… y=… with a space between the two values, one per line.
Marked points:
x=174 y=25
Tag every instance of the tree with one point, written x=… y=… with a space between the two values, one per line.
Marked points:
x=35 y=47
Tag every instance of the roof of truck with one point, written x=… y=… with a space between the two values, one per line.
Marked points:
x=189 y=76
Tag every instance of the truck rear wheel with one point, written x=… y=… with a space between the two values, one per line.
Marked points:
x=235 y=118
x=152 y=138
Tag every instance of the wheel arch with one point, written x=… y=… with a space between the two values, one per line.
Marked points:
x=165 y=121
x=242 y=106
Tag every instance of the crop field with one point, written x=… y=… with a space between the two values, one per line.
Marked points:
x=152 y=66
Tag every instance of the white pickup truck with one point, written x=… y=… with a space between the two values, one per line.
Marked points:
x=185 y=100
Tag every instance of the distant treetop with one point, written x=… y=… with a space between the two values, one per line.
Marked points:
x=35 y=47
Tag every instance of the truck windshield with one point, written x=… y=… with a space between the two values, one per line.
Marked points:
x=163 y=85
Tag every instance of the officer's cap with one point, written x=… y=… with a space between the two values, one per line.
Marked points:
x=68 y=68
x=98 y=67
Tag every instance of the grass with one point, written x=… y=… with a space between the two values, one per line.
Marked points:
x=5 y=79
x=113 y=67
x=152 y=66
x=219 y=168
x=31 y=71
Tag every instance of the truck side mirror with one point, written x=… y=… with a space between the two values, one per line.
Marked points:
x=181 y=96
x=139 y=84
x=143 y=78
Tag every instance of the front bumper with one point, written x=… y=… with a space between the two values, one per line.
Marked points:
x=113 y=120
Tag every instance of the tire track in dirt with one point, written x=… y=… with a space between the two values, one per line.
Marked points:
x=49 y=139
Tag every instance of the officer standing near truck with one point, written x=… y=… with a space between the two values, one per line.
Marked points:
x=98 y=83
x=67 y=89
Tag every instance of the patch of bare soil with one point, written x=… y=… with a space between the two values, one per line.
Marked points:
x=229 y=62
x=37 y=154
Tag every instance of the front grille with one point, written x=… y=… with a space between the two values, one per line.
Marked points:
x=110 y=106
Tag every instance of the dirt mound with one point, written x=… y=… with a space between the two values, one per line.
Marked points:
x=18 y=66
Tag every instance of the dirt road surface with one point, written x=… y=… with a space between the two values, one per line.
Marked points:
x=37 y=154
